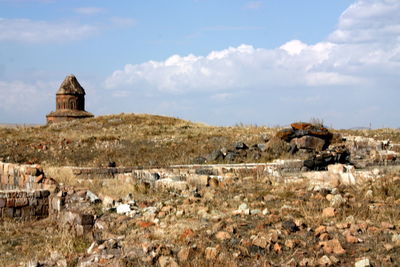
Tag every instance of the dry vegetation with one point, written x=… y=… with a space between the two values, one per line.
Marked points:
x=204 y=220
x=127 y=139
x=373 y=221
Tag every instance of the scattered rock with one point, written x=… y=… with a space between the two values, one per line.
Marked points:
x=123 y=209
x=324 y=261
x=222 y=235
x=362 y=263
x=332 y=246
x=329 y=212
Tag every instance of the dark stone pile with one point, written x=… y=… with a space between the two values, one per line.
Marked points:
x=306 y=136
x=316 y=141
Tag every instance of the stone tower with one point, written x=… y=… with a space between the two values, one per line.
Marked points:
x=70 y=102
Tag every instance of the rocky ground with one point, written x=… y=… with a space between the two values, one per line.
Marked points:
x=237 y=219
x=247 y=221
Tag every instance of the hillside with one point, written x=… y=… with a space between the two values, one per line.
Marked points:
x=126 y=139
x=142 y=140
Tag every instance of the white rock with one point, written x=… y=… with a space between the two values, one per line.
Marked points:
x=92 y=196
x=362 y=263
x=150 y=210
x=396 y=238
x=369 y=194
x=108 y=202
x=243 y=207
x=337 y=201
x=265 y=211
x=255 y=211
x=123 y=208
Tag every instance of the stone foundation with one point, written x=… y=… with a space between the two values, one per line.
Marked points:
x=23 y=177
x=24 y=205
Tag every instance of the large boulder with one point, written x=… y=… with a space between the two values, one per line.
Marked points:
x=309 y=142
x=308 y=136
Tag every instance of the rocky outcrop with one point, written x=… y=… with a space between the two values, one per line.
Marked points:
x=306 y=136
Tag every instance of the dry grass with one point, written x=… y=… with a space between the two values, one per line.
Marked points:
x=127 y=139
x=22 y=242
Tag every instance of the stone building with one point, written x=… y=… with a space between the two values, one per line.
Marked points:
x=70 y=102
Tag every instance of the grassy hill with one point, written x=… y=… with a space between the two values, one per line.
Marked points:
x=135 y=140
x=127 y=139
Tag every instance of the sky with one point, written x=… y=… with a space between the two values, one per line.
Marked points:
x=221 y=62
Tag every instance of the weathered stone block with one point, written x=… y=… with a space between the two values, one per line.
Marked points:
x=27 y=212
x=309 y=142
x=10 y=202
x=17 y=212
x=8 y=212
x=82 y=230
x=21 y=202
x=85 y=219
x=198 y=180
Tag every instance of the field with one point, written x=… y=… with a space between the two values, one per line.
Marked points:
x=244 y=219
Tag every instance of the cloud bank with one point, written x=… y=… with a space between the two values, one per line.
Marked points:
x=366 y=40
x=31 y=31
x=361 y=57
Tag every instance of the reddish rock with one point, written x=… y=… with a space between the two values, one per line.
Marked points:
x=277 y=248
x=301 y=125
x=144 y=224
x=351 y=239
x=324 y=236
x=332 y=246
x=329 y=212
x=222 y=235
x=386 y=225
x=320 y=229
x=187 y=233
x=211 y=253
x=184 y=254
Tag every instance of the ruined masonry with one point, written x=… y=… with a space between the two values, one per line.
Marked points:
x=70 y=102
x=25 y=192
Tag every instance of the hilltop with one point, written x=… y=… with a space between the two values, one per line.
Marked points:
x=126 y=139
x=139 y=140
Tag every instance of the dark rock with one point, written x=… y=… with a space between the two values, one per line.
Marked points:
x=112 y=164
x=290 y=226
x=199 y=160
x=205 y=171
x=241 y=146
x=231 y=156
x=321 y=160
x=215 y=155
x=309 y=142
x=156 y=176
x=293 y=149
x=285 y=134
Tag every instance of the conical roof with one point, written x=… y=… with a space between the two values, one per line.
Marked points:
x=70 y=85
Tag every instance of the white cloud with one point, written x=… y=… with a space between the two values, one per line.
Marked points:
x=254 y=5
x=123 y=22
x=23 y=98
x=368 y=21
x=350 y=57
x=30 y=31
x=89 y=10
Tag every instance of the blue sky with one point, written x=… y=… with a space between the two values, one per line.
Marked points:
x=220 y=62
